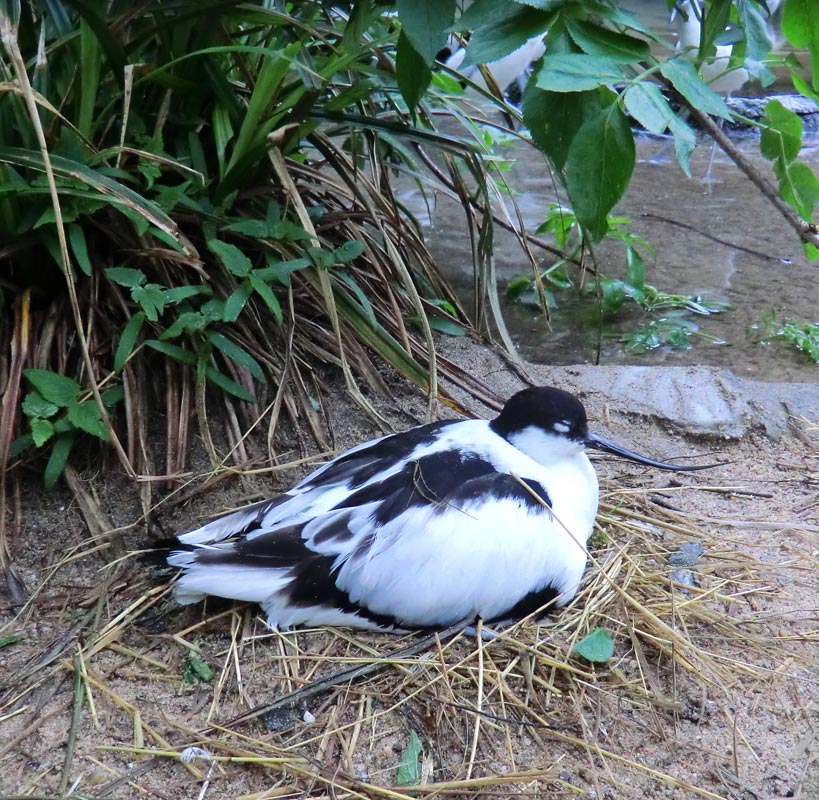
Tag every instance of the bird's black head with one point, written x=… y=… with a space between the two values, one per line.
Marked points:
x=552 y=410
x=549 y=424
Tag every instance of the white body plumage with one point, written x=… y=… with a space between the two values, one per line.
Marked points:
x=441 y=524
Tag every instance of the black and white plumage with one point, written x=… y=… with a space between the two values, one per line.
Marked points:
x=441 y=524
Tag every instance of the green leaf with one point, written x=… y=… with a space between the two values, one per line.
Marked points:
x=178 y=293
x=409 y=768
x=645 y=102
x=237 y=300
x=58 y=458
x=125 y=276
x=280 y=270
x=781 y=133
x=194 y=668
x=128 y=340
x=228 y=384
x=635 y=269
x=35 y=405
x=7 y=641
x=800 y=29
x=362 y=298
x=553 y=118
x=266 y=293
x=234 y=260
x=577 y=72
x=685 y=140
x=496 y=39
x=424 y=23
x=237 y=354
x=598 y=168
x=76 y=237
x=411 y=71
x=151 y=299
x=41 y=431
x=86 y=417
x=349 y=251
x=446 y=326
x=801 y=189
x=57 y=389
x=599 y=41
x=173 y=351
x=687 y=81
x=597 y=647
x=614 y=293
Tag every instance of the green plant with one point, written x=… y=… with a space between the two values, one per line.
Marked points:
x=208 y=198
x=803 y=336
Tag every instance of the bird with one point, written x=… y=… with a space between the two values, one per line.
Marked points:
x=445 y=523
x=504 y=71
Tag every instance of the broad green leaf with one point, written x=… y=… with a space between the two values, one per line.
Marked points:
x=41 y=431
x=228 y=384
x=614 y=293
x=754 y=25
x=424 y=23
x=237 y=354
x=35 y=405
x=76 y=237
x=411 y=71
x=553 y=118
x=234 y=260
x=187 y=322
x=280 y=270
x=635 y=269
x=645 y=102
x=151 y=299
x=597 y=647
x=483 y=13
x=801 y=189
x=174 y=351
x=237 y=300
x=264 y=291
x=409 y=768
x=577 y=72
x=194 y=668
x=349 y=251
x=687 y=81
x=178 y=293
x=685 y=140
x=800 y=29
x=598 y=168
x=715 y=17
x=781 y=133
x=493 y=41
x=128 y=340
x=446 y=326
x=126 y=276
x=58 y=458
x=86 y=417
x=57 y=389
x=6 y=641
x=599 y=41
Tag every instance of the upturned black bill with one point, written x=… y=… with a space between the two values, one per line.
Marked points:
x=607 y=446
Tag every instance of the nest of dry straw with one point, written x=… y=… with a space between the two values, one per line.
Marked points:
x=154 y=696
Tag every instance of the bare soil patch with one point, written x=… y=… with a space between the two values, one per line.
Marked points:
x=712 y=690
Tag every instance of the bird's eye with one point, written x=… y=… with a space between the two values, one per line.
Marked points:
x=562 y=426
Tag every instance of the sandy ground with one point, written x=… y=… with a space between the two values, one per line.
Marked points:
x=712 y=690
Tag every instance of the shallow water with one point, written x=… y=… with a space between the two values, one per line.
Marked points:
x=714 y=235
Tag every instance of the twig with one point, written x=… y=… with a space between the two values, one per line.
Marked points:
x=806 y=234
